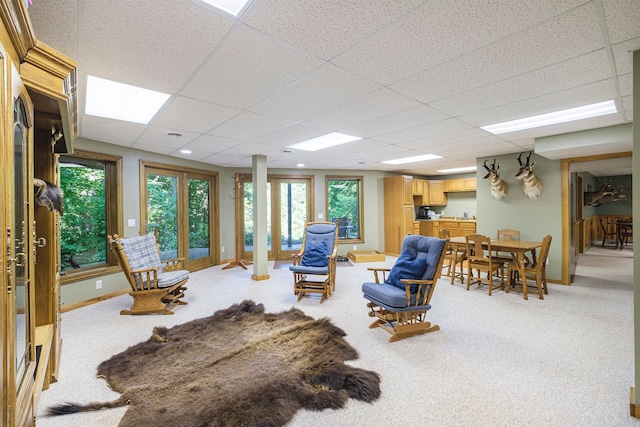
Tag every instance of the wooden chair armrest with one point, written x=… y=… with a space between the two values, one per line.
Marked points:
x=144 y=270
x=377 y=270
x=421 y=283
x=173 y=264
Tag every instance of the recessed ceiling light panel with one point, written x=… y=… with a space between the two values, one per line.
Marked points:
x=412 y=159
x=230 y=6
x=325 y=141
x=113 y=100
x=562 y=116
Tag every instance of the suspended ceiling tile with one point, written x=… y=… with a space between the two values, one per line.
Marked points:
x=325 y=28
x=212 y=144
x=409 y=118
x=248 y=125
x=159 y=136
x=131 y=42
x=290 y=135
x=108 y=130
x=622 y=19
x=325 y=88
x=379 y=103
x=424 y=131
x=575 y=72
x=248 y=67
x=64 y=34
x=192 y=115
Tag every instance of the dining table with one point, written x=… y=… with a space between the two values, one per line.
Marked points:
x=518 y=250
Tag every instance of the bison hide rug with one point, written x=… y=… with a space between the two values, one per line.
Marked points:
x=239 y=367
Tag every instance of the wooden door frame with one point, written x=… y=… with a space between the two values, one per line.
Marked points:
x=567 y=227
x=184 y=173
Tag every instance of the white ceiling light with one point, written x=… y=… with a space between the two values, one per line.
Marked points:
x=230 y=6
x=593 y=110
x=456 y=170
x=325 y=141
x=412 y=159
x=113 y=100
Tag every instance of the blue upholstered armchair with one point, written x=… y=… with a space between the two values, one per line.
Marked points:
x=400 y=296
x=317 y=259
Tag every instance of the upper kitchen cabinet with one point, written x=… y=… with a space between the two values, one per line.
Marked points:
x=437 y=196
x=460 y=185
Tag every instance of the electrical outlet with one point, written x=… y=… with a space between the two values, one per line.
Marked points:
x=98 y=284
x=223 y=249
x=547 y=261
x=355 y=247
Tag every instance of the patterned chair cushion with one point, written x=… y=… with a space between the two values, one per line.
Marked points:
x=141 y=252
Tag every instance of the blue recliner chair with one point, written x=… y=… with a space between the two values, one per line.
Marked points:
x=400 y=300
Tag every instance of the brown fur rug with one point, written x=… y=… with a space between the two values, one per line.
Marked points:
x=239 y=367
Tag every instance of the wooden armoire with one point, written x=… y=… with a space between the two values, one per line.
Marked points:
x=38 y=122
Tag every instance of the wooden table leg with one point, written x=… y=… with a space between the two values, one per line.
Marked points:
x=523 y=274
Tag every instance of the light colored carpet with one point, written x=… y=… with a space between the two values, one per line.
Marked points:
x=566 y=360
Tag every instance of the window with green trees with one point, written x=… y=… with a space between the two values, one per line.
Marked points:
x=89 y=185
x=344 y=206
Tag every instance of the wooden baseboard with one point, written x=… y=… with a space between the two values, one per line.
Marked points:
x=634 y=408
x=81 y=304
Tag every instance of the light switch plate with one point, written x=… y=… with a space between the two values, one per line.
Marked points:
x=131 y=222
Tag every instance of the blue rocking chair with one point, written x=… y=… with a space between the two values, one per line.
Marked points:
x=400 y=300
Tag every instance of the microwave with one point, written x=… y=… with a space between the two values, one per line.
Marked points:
x=423 y=212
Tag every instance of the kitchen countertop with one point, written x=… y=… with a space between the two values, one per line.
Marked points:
x=449 y=219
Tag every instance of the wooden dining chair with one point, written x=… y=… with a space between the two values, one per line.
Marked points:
x=537 y=271
x=479 y=258
x=454 y=256
x=624 y=232
x=606 y=233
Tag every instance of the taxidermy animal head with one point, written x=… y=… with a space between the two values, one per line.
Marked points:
x=498 y=186
x=531 y=184
x=48 y=195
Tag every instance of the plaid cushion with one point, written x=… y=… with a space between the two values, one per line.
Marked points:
x=142 y=252
x=170 y=278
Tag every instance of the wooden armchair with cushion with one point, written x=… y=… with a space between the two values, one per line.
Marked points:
x=156 y=287
x=401 y=299
x=314 y=267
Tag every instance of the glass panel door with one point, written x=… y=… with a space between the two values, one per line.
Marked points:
x=199 y=219
x=178 y=204
x=288 y=209
x=293 y=199
x=162 y=212
x=21 y=235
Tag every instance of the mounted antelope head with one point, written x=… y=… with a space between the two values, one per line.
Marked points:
x=498 y=186
x=531 y=184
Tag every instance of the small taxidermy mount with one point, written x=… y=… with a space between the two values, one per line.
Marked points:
x=48 y=195
x=606 y=194
x=498 y=186
x=531 y=184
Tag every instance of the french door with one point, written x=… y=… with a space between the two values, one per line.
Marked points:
x=180 y=204
x=289 y=202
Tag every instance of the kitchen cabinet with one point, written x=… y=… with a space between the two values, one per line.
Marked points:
x=456 y=227
x=460 y=185
x=398 y=212
x=437 y=196
x=39 y=122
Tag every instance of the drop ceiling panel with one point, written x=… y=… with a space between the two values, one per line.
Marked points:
x=325 y=88
x=412 y=117
x=158 y=136
x=325 y=28
x=424 y=131
x=622 y=19
x=108 y=130
x=129 y=42
x=583 y=70
x=192 y=115
x=211 y=144
x=247 y=68
x=248 y=125
x=64 y=34
x=373 y=105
